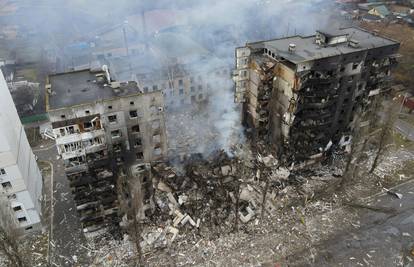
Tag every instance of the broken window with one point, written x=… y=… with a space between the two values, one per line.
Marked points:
x=117 y=147
x=181 y=91
x=180 y=82
x=135 y=129
x=17 y=208
x=133 y=114
x=62 y=116
x=200 y=87
x=87 y=125
x=116 y=133
x=12 y=197
x=155 y=87
x=191 y=79
x=355 y=66
x=109 y=107
x=200 y=96
x=145 y=89
x=192 y=89
x=87 y=112
x=62 y=132
x=112 y=119
x=2 y=171
x=6 y=185
x=138 y=142
x=140 y=155
x=70 y=129
x=199 y=78
x=132 y=103
x=22 y=219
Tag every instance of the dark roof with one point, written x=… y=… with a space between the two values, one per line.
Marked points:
x=84 y=86
x=308 y=50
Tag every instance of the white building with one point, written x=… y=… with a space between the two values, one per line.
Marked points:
x=20 y=178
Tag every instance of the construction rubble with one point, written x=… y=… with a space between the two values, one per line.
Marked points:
x=203 y=200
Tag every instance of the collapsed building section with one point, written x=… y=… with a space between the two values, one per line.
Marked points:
x=100 y=126
x=303 y=95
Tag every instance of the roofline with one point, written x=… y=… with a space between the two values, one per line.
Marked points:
x=72 y=71
x=102 y=101
x=309 y=36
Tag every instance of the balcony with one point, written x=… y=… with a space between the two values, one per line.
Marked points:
x=95 y=148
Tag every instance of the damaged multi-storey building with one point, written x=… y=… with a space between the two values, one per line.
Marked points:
x=303 y=94
x=101 y=126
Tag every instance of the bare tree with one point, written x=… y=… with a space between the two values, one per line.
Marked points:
x=385 y=134
x=9 y=233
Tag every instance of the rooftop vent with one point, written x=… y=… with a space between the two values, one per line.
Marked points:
x=292 y=48
x=353 y=43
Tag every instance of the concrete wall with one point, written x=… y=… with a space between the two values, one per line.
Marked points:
x=150 y=111
x=19 y=164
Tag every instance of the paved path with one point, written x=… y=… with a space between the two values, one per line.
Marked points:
x=67 y=239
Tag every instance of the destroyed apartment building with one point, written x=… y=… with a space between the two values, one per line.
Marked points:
x=100 y=127
x=307 y=95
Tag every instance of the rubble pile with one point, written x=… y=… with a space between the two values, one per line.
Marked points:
x=202 y=201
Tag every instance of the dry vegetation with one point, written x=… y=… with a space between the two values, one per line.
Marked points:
x=404 y=34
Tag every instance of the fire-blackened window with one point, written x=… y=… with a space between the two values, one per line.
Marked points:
x=117 y=147
x=6 y=185
x=116 y=133
x=112 y=119
x=135 y=129
x=133 y=114
x=355 y=66
x=87 y=125
x=140 y=155
x=155 y=87
x=138 y=142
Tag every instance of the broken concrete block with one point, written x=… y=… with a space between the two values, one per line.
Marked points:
x=246 y=218
x=172 y=199
x=281 y=173
x=185 y=219
x=179 y=217
x=226 y=170
x=182 y=199
x=174 y=231
x=164 y=187
x=269 y=161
